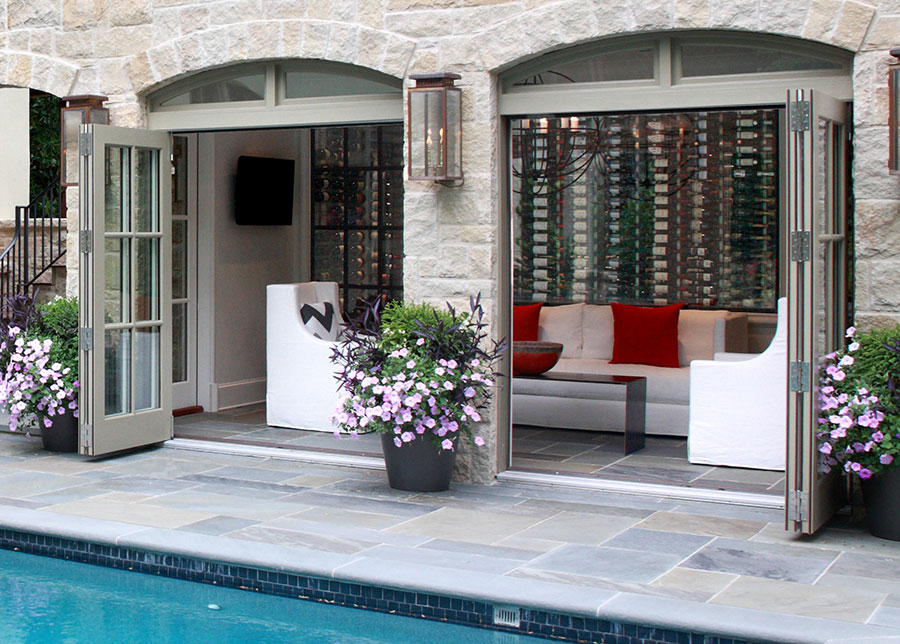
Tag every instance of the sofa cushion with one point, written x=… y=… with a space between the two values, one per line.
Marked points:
x=697 y=335
x=525 y=321
x=645 y=335
x=563 y=324
x=664 y=384
x=598 y=332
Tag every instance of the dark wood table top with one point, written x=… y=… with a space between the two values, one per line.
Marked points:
x=583 y=377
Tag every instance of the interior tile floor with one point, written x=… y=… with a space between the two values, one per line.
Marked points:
x=580 y=453
x=662 y=559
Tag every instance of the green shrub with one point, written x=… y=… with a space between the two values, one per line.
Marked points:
x=400 y=322
x=873 y=363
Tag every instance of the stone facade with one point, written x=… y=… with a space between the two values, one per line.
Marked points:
x=126 y=48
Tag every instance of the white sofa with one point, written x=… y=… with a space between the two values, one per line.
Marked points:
x=301 y=390
x=586 y=332
x=739 y=407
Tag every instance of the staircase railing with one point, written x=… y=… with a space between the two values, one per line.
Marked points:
x=37 y=244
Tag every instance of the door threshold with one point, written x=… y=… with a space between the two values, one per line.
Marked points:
x=305 y=456
x=658 y=490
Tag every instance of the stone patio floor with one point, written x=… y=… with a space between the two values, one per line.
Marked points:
x=716 y=568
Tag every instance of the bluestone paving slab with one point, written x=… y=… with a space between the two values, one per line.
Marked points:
x=70 y=527
x=673 y=543
x=58 y=466
x=213 y=504
x=311 y=541
x=128 y=512
x=867 y=565
x=143 y=485
x=248 y=487
x=218 y=525
x=728 y=511
x=787 y=563
x=607 y=510
x=33 y=503
x=703 y=584
x=647 y=473
x=25 y=484
x=800 y=599
x=240 y=473
x=379 y=506
x=503 y=552
x=705 y=525
x=466 y=525
x=579 y=527
x=297 y=523
x=263 y=494
x=608 y=563
x=441 y=559
x=617 y=585
x=344 y=517
x=886 y=616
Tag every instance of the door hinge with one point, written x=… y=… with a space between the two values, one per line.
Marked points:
x=86 y=241
x=86 y=436
x=86 y=338
x=801 y=246
x=798 y=376
x=85 y=144
x=800 y=116
x=798 y=506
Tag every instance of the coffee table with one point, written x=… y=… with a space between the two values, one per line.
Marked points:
x=635 y=400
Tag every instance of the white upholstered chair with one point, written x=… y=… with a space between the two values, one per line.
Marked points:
x=301 y=390
x=738 y=407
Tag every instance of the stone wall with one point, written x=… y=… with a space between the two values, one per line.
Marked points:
x=126 y=48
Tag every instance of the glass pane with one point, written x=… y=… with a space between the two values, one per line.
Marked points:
x=179 y=176
x=71 y=119
x=146 y=295
x=146 y=368
x=647 y=208
x=117 y=372
x=392 y=145
x=328 y=256
x=117 y=271
x=426 y=117
x=116 y=189
x=179 y=342
x=328 y=147
x=309 y=84
x=393 y=199
x=179 y=258
x=454 y=150
x=393 y=261
x=711 y=59
x=251 y=87
x=634 y=64
x=146 y=178
x=820 y=220
x=362 y=257
x=362 y=146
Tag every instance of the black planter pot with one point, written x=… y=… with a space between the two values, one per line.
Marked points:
x=881 y=495
x=62 y=435
x=417 y=466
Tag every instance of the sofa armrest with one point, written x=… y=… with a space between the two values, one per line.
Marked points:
x=730 y=334
x=731 y=356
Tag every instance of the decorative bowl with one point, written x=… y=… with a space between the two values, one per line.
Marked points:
x=533 y=357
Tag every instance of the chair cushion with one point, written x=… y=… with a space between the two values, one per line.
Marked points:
x=562 y=324
x=598 y=332
x=525 y=321
x=645 y=335
x=320 y=319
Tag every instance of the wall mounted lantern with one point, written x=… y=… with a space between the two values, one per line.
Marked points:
x=435 y=129
x=894 y=112
x=77 y=110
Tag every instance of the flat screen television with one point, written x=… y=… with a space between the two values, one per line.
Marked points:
x=264 y=191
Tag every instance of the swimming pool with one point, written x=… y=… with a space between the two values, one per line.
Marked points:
x=44 y=601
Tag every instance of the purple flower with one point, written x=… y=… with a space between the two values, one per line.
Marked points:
x=865 y=473
x=447 y=444
x=479 y=441
x=851 y=331
x=397 y=441
x=469 y=392
x=886 y=459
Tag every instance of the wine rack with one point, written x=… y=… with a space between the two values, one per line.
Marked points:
x=357 y=211
x=648 y=209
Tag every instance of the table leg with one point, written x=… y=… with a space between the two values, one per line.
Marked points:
x=635 y=410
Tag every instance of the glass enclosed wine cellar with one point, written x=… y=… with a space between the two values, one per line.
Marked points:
x=357 y=211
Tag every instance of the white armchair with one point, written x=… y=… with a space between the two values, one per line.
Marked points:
x=738 y=408
x=301 y=391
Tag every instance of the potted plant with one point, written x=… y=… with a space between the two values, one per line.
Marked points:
x=40 y=370
x=859 y=422
x=421 y=378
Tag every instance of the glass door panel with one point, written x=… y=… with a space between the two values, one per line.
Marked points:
x=817 y=292
x=125 y=291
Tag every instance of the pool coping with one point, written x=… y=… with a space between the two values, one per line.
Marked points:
x=725 y=623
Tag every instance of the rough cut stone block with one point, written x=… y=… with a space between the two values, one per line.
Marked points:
x=74 y=44
x=786 y=17
x=852 y=24
x=128 y=12
x=878 y=229
x=123 y=41
x=165 y=61
x=821 y=19
x=885 y=285
x=737 y=14
x=344 y=43
x=19 y=71
x=692 y=14
x=316 y=36
x=396 y=58
x=193 y=19
x=139 y=71
x=32 y=13
x=372 y=46
x=265 y=39
x=883 y=34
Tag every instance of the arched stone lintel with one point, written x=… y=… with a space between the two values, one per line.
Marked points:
x=267 y=40
x=841 y=23
x=24 y=69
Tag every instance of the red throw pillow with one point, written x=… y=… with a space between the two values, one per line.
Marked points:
x=525 y=321
x=645 y=335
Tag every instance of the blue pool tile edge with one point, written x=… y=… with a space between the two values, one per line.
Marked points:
x=558 y=611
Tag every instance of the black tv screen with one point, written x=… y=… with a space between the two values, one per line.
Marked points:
x=264 y=191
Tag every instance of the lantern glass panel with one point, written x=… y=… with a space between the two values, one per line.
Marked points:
x=453 y=135
x=426 y=125
x=894 y=90
x=71 y=120
x=99 y=115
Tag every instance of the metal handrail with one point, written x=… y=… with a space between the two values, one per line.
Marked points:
x=37 y=244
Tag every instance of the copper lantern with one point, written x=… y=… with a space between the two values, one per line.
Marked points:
x=76 y=111
x=435 y=129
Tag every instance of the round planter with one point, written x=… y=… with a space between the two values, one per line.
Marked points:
x=881 y=495
x=533 y=357
x=417 y=466
x=62 y=435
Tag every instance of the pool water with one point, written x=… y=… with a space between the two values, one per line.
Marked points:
x=50 y=601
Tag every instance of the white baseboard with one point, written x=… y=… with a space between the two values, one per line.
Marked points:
x=239 y=393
